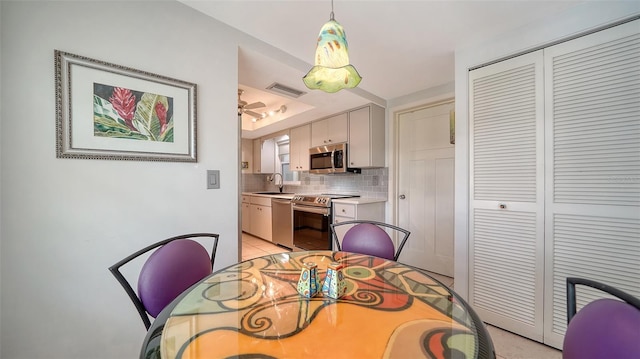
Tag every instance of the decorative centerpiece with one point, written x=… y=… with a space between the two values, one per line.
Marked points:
x=308 y=284
x=334 y=285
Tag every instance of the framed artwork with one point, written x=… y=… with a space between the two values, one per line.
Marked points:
x=107 y=111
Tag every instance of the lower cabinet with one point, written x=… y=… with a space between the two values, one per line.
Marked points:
x=260 y=224
x=356 y=208
x=246 y=214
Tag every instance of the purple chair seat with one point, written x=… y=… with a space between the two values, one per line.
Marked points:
x=367 y=238
x=169 y=271
x=370 y=237
x=604 y=328
x=176 y=264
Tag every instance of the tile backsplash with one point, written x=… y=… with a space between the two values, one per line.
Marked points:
x=371 y=183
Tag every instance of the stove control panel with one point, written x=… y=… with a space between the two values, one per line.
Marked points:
x=317 y=200
x=311 y=200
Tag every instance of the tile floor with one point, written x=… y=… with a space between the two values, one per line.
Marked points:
x=253 y=247
x=507 y=345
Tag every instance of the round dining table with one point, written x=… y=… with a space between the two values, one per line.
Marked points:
x=253 y=309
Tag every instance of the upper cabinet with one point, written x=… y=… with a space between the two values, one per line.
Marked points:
x=299 y=143
x=362 y=128
x=330 y=130
x=264 y=152
x=366 y=137
x=257 y=147
x=268 y=156
x=247 y=156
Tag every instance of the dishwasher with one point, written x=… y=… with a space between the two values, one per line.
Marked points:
x=281 y=220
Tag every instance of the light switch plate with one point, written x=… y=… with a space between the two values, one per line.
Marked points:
x=213 y=179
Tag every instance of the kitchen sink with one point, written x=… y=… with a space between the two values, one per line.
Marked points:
x=272 y=193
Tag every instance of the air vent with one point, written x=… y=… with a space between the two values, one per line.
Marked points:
x=285 y=90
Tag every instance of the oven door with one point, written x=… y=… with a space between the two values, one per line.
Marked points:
x=311 y=229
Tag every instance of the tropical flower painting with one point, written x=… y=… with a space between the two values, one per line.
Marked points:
x=124 y=113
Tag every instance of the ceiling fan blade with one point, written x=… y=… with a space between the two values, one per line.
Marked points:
x=255 y=105
x=254 y=114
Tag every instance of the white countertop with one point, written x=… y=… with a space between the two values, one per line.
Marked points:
x=351 y=200
x=358 y=200
x=279 y=195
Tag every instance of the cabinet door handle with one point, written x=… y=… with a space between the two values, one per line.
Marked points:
x=402 y=196
x=502 y=206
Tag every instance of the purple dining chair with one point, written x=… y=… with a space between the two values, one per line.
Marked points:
x=369 y=237
x=176 y=264
x=604 y=328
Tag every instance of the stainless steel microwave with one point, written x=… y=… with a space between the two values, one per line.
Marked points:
x=328 y=159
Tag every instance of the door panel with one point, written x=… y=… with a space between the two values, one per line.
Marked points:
x=506 y=224
x=426 y=178
x=592 y=114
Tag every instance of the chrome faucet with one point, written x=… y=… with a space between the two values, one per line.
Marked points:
x=273 y=179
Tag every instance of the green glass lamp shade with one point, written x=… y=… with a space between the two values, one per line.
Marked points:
x=332 y=71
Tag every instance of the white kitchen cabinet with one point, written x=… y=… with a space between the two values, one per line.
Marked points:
x=246 y=214
x=299 y=143
x=350 y=209
x=330 y=130
x=264 y=155
x=366 y=137
x=268 y=156
x=247 y=155
x=257 y=147
x=260 y=208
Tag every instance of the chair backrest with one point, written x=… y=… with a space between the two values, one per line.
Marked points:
x=604 y=328
x=176 y=264
x=369 y=237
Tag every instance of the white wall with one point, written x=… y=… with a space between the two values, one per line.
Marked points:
x=65 y=221
x=586 y=16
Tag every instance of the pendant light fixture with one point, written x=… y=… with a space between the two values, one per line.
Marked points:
x=332 y=71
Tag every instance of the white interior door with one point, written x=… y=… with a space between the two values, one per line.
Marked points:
x=426 y=180
x=506 y=222
x=592 y=219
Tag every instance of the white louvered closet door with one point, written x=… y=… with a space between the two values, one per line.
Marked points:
x=592 y=112
x=507 y=194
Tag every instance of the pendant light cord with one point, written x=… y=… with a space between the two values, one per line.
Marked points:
x=331 y=17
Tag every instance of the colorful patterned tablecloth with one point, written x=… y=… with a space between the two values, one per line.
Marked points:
x=253 y=310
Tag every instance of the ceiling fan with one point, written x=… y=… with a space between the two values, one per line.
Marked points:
x=244 y=107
